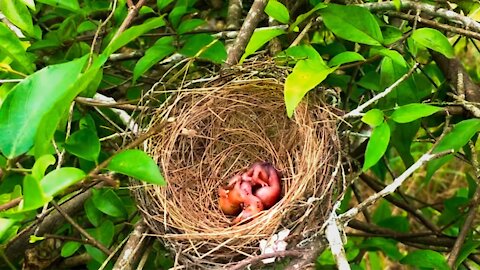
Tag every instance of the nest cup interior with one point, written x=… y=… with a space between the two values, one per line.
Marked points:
x=215 y=133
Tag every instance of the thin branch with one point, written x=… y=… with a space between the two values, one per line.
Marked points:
x=347 y=216
x=452 y=16
x=132 y=250
x=70 y=220
x=251 y=260
x=334 y=238
x=251 y=21
x=234 y=14
x=132 y=12
x=358 y=111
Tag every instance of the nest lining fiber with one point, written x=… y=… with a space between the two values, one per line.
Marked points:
x=218 y=130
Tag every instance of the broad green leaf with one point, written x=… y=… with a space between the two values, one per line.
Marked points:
x=105 y=232
x=30 y=4
x=402 y=136
x=162 y=48
x=41 y=165
x=373 y=117
x=305 y=76
x=370 y=80
x=304 y=16
x=84 y=143
x=18 y=14
x=33 y=195
x=71 y=5
x=189 y=25
x=58 y=180
x=468 y=248
x=132 y=33
x=5 y=225
x=398 y=4
x=345 y=57
x=39 y=93
x=137 y=164
x=459 y=136
x=404 y=93
x=425 y=258
x=377 y=145
x=86 y=26
x=394 y=55
x=388 y=246
x=12 y=47
x=411 y=112
x=51 y=119
x=107 y=201
x=302 y=52
x=277 y=11
x=391 y=34
x=93 y=214
x=352 y=23
x=204 y=46
x=96 y=253
x=161 y=4
x=258 y=39
x=69 y=248
x=176 y=15
x=433 y=39
x=395 y=223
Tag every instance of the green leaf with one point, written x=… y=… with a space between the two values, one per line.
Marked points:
x=41 y=165
x=107 y=201
x=459 y=136
x=33 y=195
x=84 y=143
x=388 y=246
x=412 y=112
x=30 y=4
x=71 y=5
x=96 y=253
x=93 y=214
x=391 y=34
x=304 y=16
x=105 y=233
x=373 y=117
x=162 y=48
x=132 y=33
x=433 y=39
x=58 y=180
x=394 y=55
x=39 y=93
x=398 y=4
x=204 y=46
x=5 y=225
x=137 y=164
x=17 y=13
x=468 y=248
x=345 y=57
x=277 y=11
x=352 y=23
x=189 y=25
x=258 y=39
x=425 y=258
x=161 y=4
x=13 y=47
x=405 y=92
x=305 y=75
x=377 y=145
x=69 y=248
x=401 y=139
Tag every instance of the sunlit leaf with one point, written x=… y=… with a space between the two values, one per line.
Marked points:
x=345 y=57
x=30 y=4
x=277 y=11
x=302 y=17
x=137 y=164
x=425 y=258
x=259 y=38
x=33 y=195
x=411 y=112
x=189 y=25
x=41 y=165
x=5 y=225
x=84 y=143
x=377 y=145
x=433 y=39
x=12 y=47
x=39 y=93
x=352 y=23
x=373 y=117
x=17 y=13
x=71 y=5
x=58 y=180
x=305 y=76
x=392 y=54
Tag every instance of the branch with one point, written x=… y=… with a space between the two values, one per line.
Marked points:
x=347 y=216
x=358 y=111
x=334 y=238
x=132 y=250
x=452 y=16
x=234 y=14
x=253 y=18
x=251 y=260
x=132 y=12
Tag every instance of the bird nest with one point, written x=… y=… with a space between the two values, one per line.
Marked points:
x=213 y=132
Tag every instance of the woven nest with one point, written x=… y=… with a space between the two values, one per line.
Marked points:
x=218 y=130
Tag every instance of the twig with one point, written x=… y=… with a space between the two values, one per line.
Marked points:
x=253 y=18
x=334 y=238
x=358 y=111
x=132 y=12
x=132 y=248
x=70 y=220
x=234 y=14
x=251 y=260
x=452 y=258
x=452 y=16
x=347 y=216
x=10 y=204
